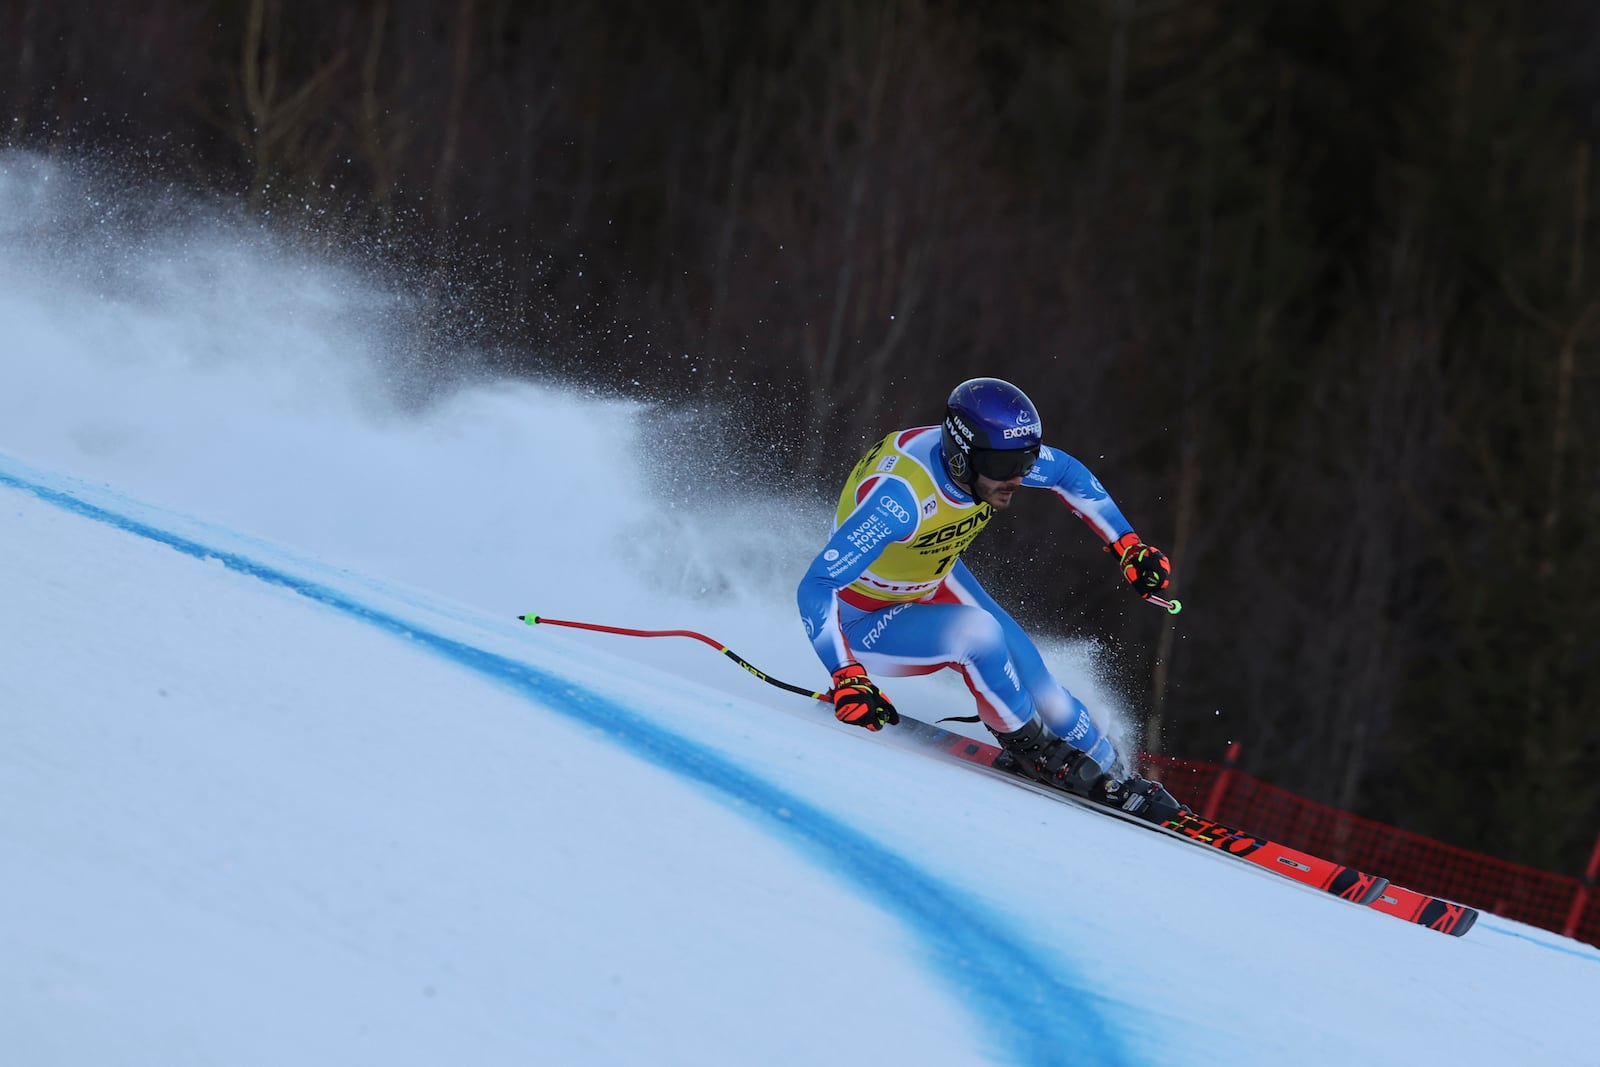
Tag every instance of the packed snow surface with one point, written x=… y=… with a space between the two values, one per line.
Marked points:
x=285 y=780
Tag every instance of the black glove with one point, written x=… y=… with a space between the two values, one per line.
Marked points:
x=858 y=702
x=1145 y=568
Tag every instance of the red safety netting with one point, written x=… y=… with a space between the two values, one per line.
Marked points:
x=1540 y=898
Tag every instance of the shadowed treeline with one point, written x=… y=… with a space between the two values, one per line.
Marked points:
x=1314 y=288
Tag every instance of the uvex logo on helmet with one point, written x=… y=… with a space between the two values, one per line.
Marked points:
x=964 y=432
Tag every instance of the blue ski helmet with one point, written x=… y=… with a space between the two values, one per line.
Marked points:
x=991 y=428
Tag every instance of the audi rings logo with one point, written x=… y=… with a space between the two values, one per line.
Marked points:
x=892 y=507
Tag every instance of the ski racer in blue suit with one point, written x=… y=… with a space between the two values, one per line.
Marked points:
x=889 y=591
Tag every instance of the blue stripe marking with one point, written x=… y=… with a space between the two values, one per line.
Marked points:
x=1582 y=951
x=1036 y=1012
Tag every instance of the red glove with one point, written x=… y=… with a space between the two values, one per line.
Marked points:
x=1145 y=568
x=858 y=702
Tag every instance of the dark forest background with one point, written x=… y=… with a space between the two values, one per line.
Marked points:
x=1313 y=287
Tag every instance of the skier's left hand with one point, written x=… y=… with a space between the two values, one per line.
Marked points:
x=1146 y=569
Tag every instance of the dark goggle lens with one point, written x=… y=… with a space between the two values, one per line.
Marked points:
x=1003 y=466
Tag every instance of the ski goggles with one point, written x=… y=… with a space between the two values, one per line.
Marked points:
x=1002 y=465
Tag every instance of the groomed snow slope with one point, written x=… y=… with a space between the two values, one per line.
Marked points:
x=284 y=781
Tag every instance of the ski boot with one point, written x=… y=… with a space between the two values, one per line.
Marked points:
x=1035 y=752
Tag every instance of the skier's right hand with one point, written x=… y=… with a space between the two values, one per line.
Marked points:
x=858 y=702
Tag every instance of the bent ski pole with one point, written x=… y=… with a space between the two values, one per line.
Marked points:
x=534 y=620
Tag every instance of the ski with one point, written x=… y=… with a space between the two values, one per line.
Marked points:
x=1337 y=879
x=1342 y=881
x=1436 y=913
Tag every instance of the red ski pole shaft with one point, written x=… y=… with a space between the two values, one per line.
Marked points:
x=533 y=620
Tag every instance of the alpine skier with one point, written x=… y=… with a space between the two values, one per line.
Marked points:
x=889 y=591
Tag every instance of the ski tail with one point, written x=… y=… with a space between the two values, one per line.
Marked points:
x=1436 y=913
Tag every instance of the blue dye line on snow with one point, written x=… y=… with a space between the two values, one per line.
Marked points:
x=1035 y=1011
x=1582 y=951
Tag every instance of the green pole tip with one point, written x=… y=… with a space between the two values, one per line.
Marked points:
x=1176 y=606
x=529 y=618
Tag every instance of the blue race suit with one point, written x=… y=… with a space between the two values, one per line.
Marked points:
x=889 y=590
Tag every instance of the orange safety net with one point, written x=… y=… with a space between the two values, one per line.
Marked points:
x=1555 y=902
